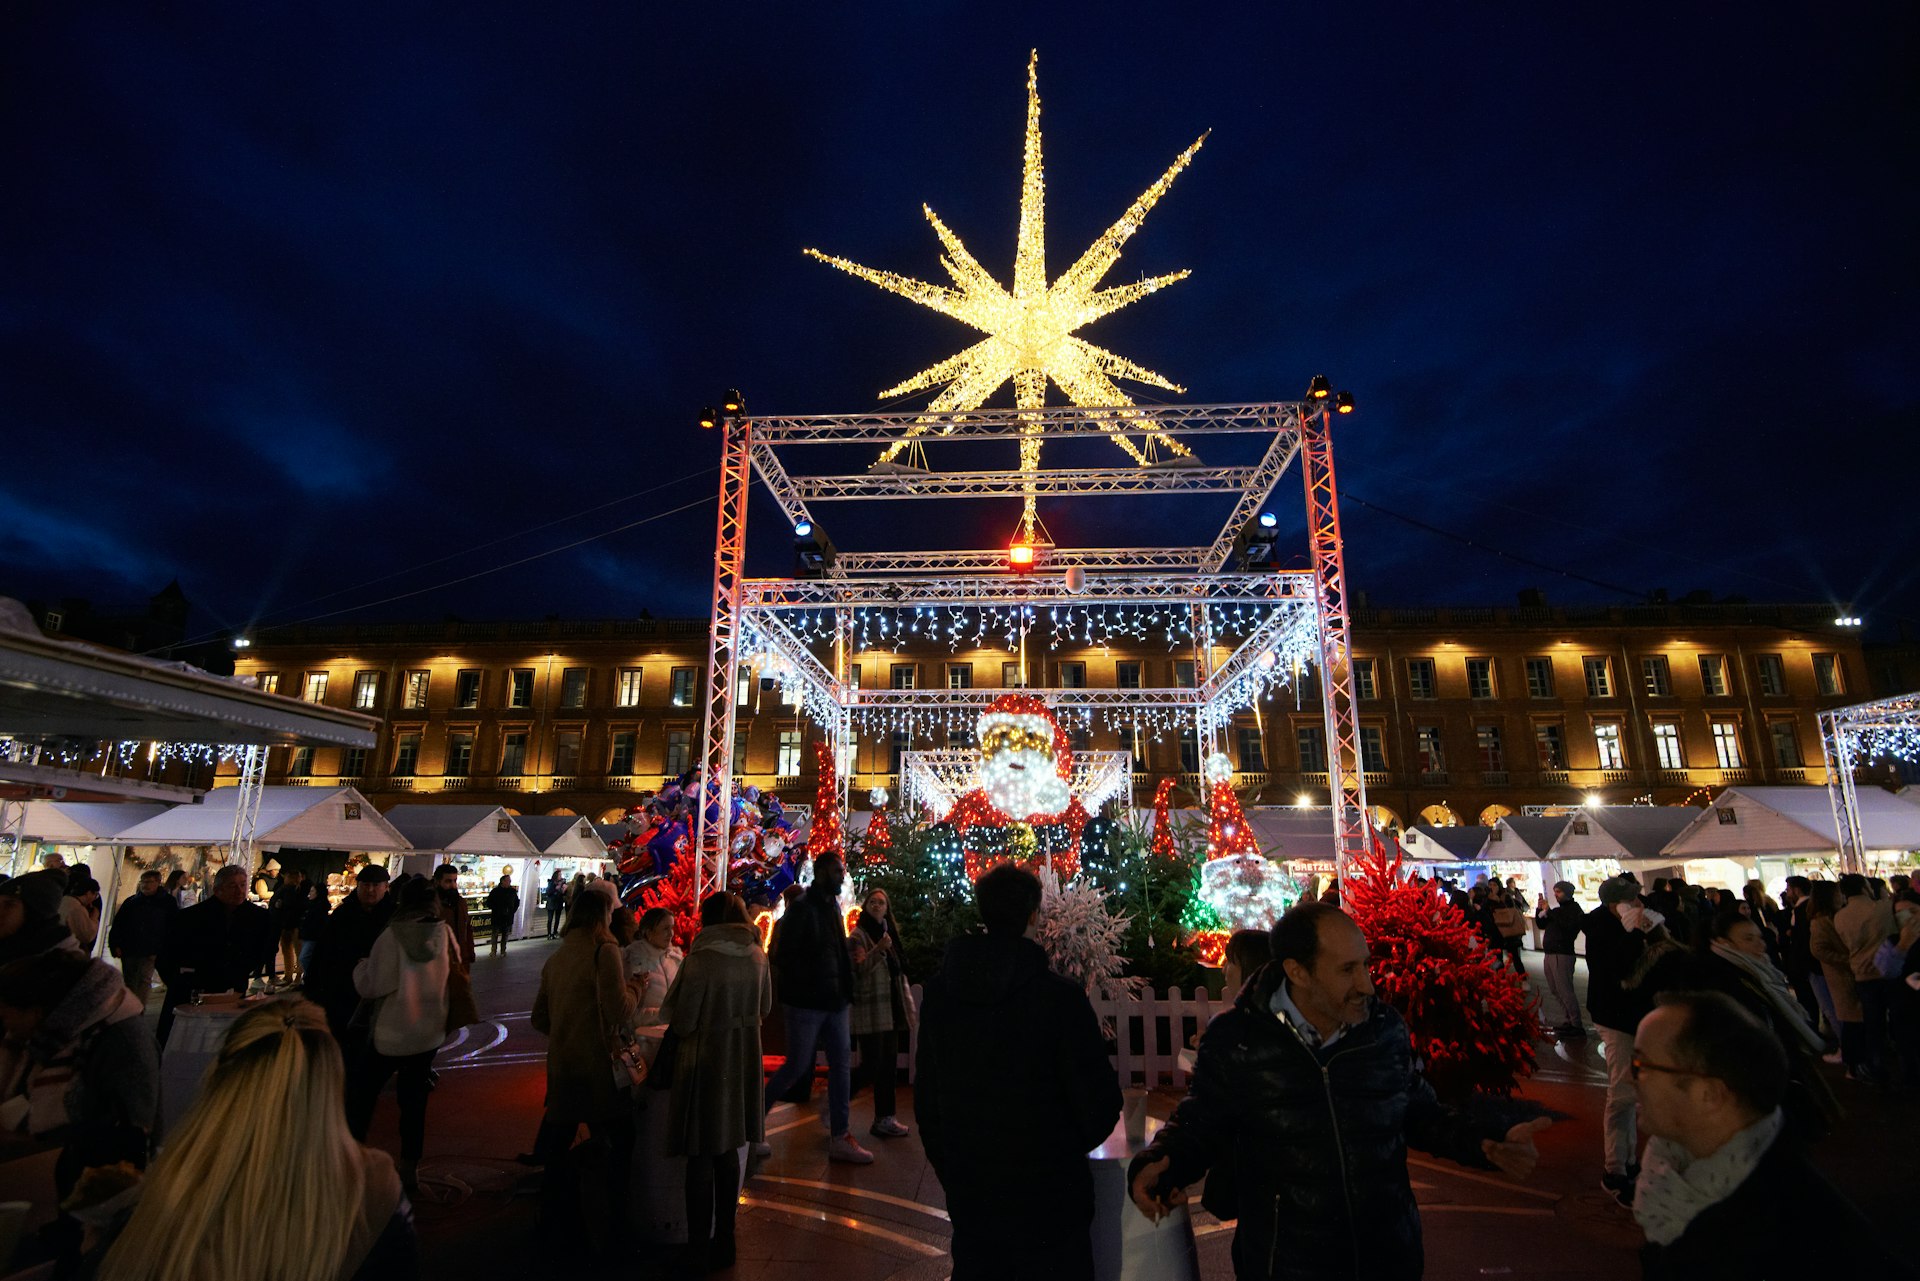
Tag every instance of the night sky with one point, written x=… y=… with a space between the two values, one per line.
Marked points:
x=317 y=306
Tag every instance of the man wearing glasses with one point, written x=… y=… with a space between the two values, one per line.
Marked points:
x=1721 y=1173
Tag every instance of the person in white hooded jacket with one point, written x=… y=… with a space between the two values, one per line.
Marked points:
x=404 y=984
x=653 y=962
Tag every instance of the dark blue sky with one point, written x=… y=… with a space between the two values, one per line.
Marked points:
x=300 y=297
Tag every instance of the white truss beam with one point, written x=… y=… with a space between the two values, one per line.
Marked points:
x=1890 y=720
x=1057 y=482
x=1051 y=423
x=1035 y=589
x=993 y=560
x=1266 y=474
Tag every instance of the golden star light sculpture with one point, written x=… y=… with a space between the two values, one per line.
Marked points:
x=1029 y=329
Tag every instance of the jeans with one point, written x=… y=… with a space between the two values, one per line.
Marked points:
x=306 y=954
x=879 y=1063
x=1824 y=994
x=290 y=952
x=368 y=1076
x=1622 y=1139
x=553 y=918
x=1559 y=968
x=805 y=1031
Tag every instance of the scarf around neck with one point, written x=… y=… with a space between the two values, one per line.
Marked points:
x=1675 y=1186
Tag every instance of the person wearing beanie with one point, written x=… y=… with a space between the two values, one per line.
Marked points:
x=30 y=917
x=1560 y=926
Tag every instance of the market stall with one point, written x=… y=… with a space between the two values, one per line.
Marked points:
x=84 y=832
x=564 y=843
x=327 y=832
x=481 y=841
x=1621 y=838
x=1770 y=833
x=1452 y=851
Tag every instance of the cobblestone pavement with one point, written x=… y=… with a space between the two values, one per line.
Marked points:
x=887 y=1220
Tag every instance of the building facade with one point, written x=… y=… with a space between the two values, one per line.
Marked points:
x=1465 y=713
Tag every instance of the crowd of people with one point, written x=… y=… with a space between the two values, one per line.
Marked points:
x=1715 y=1013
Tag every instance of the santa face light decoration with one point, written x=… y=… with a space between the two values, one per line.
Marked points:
x=1025 y=761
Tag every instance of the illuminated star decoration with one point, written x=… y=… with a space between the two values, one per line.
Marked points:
x=1030 y=328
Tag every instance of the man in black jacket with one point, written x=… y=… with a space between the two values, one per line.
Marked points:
x=139 y=932
x=215 y=945
x=345 y=942
x=1796 y=943
x=816 y=995
x=1012 y=1089
x=1560 y=927
x=1723 y=1172
x=1616 y=938
x=1307 y=1091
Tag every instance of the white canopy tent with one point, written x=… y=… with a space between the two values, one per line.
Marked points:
x=481 y=841
x=88 y=832
x=1633 y=836
x=1425 y=843
x=563 y=841
x=1769 y=829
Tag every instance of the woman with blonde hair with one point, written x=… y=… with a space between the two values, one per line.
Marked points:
x=239 y=1188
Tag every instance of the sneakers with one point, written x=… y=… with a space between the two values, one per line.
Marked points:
x=1620 y=1186
x=846 y=1148
x=888 y=1128
x=761 y=1151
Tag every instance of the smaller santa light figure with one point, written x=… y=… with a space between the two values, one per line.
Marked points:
x=1025 y=762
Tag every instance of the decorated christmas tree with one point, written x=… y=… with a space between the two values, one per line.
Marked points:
x=1472 y=1021
x=879 y=836
x=824 y=836
x=1162 y=844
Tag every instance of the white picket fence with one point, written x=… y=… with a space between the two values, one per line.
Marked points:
x=1149 y=1034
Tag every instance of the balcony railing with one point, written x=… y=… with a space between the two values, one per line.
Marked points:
x=1672 y=776
x=510 y=783
x=1737 y=775
x=563 y=783
x=1434 y=776
x=454 y=783
x=1253 y=781
x=1616 y=776
x=1493 y=777
x=1790 y=774
x=1320 y=778
x=1375 y=778
x=1554 y=776
x=348 y=780
x=620 y=783
x=400 y=783
x=299 y=780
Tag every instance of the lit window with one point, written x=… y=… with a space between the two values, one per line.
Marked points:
x=269 y=682
x=1713 y=675
x=1666 y=745
x=366 y=690
x=790 y=747
x=629 y=691
x=520 y=687
x=681 y=689
x=1658 y=677
x=1550 y=746
x=1726 y=744
x=959 y=675
x=1606 y=737
x=1011 y=677
x=414 y=696
x=316 y=687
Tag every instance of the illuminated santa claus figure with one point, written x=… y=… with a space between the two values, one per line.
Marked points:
x=1025 y=762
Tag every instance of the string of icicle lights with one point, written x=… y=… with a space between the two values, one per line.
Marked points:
x=68 y=753
x=1000 y=627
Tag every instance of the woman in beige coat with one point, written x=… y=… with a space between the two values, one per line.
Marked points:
x=713 y=1011
x=585 y=1009
x=1836 y=966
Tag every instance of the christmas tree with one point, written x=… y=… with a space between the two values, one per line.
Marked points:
x=1162 y=844
x=1472 y=1021
x=824 y=836
x=879 y=836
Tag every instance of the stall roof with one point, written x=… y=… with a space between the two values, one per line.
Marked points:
x=1528 y=836
x=1427 y=844
x=318 y=818
x=562 y=835
x=51 y=688
x=85 y=822
x=462 y=829
x=1626 y=833
x=1793 y=820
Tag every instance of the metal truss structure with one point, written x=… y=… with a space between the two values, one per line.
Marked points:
x=1298 y=617
x=938 y=778
x=1853 y=736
